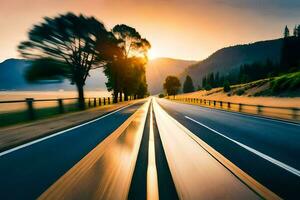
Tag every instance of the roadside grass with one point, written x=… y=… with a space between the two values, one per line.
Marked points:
x=22 y=116
x=285 y=85
x=19 y=117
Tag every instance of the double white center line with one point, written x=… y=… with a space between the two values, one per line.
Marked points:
x=152 y=185
x=258 y=153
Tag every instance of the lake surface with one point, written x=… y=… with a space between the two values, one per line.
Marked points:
x=21 y=95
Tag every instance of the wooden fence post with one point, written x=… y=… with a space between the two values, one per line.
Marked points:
x=108 y=100
x=259 y=109
x=89 y=103
x=228 y=105
x=221 y=104
x=95 y=102
x=240 y=107
x=99 y=101
x=295 y=113
x=60 y=106
x=104 y=101
x=30 y=108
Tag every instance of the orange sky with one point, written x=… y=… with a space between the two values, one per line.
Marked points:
x=186 y=29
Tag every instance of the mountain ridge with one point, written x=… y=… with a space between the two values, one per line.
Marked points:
x=228 y=59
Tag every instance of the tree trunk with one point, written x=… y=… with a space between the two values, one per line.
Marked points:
x=125 y=96
x=115 y=96
x=120 y=97
x=81 y=103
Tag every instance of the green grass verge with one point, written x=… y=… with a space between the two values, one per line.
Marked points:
x=284 y=85
x=19 y=117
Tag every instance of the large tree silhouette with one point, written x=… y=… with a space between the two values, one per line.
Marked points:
x=67 y=46
x=172 y=85
x=127 y=74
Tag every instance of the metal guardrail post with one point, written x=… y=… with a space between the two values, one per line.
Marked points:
x=30 y=108
x=60 y=106
x=95 y=102
x=104 y=101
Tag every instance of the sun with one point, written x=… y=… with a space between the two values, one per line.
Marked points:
x=152 y=54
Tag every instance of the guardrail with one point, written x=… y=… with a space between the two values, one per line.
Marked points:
x=29 y=108
x=292 y=113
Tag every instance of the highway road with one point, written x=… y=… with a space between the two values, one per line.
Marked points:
x=28 y=170
x=158 y=149
x=268 y=150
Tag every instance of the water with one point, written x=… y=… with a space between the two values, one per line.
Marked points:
x=21 y=95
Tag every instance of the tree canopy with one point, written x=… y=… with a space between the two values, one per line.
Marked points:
x=72 y=43
x=172 y=85
x=127 y=73
x=69 y=46
x=188 y=85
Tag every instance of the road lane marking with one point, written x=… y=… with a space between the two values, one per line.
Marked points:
x=60 y=132
x=152 y=185
x=258 y=153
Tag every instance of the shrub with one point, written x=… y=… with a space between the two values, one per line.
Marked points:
x=227 y=87
x=208 y=87
x=240 y=92
x=161 y=95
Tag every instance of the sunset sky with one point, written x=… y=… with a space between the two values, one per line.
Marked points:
x=185 y=29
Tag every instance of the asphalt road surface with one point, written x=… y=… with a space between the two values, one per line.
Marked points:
x=169 y=164
x=266 y=149
x=28 y=170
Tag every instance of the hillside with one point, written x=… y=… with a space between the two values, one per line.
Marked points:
x=282 y=91
x=158 y=69
x=230 y=58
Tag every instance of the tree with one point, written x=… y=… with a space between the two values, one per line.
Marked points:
x=290 y=57
x=298 y=30
x=172 y=85
x=295 y=32
x=188 y=85
x=286 y=32
x=133 y=57
x=68 y=43
x=204 y=82
x=226 y=86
